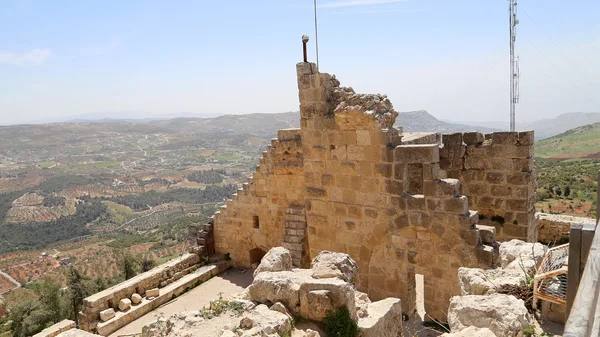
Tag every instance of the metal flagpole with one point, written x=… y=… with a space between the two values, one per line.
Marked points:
x=316 y=34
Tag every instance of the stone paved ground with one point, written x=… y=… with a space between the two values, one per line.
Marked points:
x=230 y=282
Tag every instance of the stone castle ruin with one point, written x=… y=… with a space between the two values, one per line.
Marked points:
x=346 y=182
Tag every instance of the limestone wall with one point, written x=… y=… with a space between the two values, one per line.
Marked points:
x=253 y=221
x=345 y=182
x=158 y=277
x=497 y=174
x=556 y=227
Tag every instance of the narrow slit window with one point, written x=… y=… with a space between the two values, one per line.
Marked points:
x=256 y=221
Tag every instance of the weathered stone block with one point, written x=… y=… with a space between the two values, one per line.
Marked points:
x=136 y=298
x=152 y=292
x=425 y=153
x=495 y=177
x=125 y=304
x=107 y=314
x=473 y=138
x=452 y=139
x=526 y=138
x=510 y=138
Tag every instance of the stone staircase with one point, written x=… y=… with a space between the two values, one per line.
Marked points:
x=486 y=245
x=202 y=239
x=295 y=233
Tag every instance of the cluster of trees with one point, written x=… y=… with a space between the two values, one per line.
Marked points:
x=207 y=177
x=144 y=201
x=53 y=304
x=34 y=235
x=53 y=200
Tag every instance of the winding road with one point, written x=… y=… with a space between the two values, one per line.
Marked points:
x=11 y=280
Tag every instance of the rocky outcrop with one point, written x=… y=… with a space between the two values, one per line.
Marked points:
x=328 y=265
x=471 y=332
x=504 y=315
x=276 y=259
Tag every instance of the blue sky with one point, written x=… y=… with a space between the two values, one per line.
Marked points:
x=158 y=58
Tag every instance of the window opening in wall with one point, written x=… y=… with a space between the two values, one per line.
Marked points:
x=256 y=255
x=256 y=221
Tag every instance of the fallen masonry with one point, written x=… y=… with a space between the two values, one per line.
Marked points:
x=278 y=296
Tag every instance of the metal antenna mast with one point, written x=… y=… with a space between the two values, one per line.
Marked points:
x=316 y=35
x=514 y=62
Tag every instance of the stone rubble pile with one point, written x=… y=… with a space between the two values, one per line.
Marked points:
x=280 y=293
x=481 y=310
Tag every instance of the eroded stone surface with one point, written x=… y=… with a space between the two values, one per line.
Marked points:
x=276 y=259
x=471 y=332
x=521 y=256
x=384 y=319
x=475 y=281
x=504 y=315
x=328 y=264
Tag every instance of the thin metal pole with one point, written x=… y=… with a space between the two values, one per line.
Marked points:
x=316 y=34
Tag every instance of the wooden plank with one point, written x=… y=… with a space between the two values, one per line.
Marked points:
x=574 y=263
x=584 y=318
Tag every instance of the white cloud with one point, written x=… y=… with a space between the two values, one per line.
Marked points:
x=355 y=3
x=32 y=57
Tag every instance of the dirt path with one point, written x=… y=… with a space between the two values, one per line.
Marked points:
x=11 y=280
x=228 y=283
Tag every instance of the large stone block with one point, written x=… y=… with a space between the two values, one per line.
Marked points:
x=504 y=315
x=473 y=138
x=151 y=293
x=276 y=259
x=383 y=319
x=107 y=314
x=425 y=153
x=510 y=138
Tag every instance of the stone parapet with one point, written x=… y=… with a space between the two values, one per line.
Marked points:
x=158 y=277
x=554 y=228
x=56 y=329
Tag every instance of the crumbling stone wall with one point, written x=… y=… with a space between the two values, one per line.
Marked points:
x=254 y=220
x=553 y=228
x=497 y=174
x=361 y=192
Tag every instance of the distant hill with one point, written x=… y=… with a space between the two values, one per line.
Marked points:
x=545 y=128
x=421 y=120
x=581 y=142
x=258 y=124
x=265 y=124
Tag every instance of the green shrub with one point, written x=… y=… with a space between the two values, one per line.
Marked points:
x=339 y=324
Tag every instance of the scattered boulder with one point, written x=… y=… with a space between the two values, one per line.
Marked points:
x=151 y=293
x=276 y=259
x=107 y=314
x=328 y=265
x=261 y=320
x=273 y=287
x=475 y=281
x=319 y=296
x=504 y=315
x=384 y=319
x=124 y=304
x=136 y=298
x=520 y=255
x=471 y=332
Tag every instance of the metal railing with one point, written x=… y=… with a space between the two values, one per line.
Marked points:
x=583 y=297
